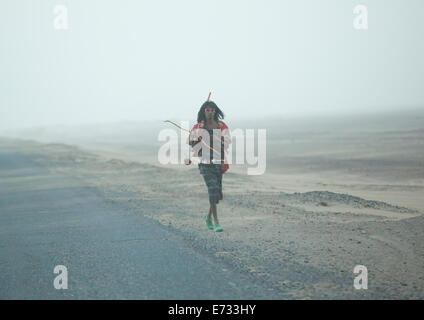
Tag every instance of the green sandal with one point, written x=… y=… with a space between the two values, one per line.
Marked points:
x=218 y=228
x=209 y=224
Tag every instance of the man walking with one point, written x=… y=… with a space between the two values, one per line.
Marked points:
x=210 y=138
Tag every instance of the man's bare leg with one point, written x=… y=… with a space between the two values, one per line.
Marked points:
x=214 y=213
x=209 y=218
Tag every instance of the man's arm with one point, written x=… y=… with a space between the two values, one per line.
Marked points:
x=193 y=138
x=192 y=143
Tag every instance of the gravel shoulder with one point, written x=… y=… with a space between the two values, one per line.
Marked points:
x=301 y=245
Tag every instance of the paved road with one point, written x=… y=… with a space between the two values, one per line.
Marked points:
x=110 y=253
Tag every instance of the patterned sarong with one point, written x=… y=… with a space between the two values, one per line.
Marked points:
x=212 y=174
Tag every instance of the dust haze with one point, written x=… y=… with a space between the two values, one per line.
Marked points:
x=343 y=111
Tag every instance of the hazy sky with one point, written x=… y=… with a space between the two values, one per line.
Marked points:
x=157 y=59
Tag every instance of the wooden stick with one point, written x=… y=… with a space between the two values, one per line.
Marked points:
x=177 y=125
x=209 y=96
x=169 y=121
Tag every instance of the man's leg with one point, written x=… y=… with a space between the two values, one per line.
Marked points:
x=209 y=218
x=215 y=214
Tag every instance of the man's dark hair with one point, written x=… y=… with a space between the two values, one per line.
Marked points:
x=209 y=104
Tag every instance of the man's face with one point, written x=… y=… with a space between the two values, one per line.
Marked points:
x=209 y=113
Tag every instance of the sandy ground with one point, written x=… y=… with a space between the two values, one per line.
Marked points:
x=323 y=205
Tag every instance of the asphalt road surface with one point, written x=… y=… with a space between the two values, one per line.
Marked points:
x=48 y=220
